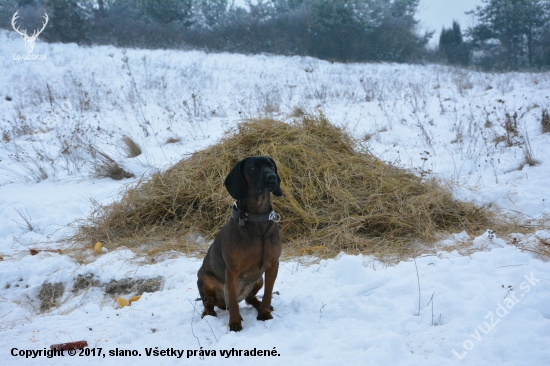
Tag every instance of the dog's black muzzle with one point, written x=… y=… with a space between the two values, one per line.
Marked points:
x=271 y=182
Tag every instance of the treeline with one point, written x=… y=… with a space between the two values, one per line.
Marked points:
x=511 y=34
x=342 y=30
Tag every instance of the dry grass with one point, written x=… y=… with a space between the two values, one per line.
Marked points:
x=105 y=167
x=541 y=249
x=172 y=140
x=336 y=197
x=533 y=242
x=131 y=147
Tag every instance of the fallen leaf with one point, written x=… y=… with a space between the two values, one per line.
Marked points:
x=122 y=302
x=135 y=298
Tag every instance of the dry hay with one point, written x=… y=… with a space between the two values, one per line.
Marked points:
x=337 y=196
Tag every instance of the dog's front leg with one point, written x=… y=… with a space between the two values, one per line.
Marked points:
x=264 y=313
x=231 y=278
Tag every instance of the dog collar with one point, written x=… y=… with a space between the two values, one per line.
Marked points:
x=242 y=216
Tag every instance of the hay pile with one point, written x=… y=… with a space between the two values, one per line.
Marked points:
x=336 y=197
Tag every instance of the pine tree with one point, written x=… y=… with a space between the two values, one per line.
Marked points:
x=452 y=46
x=67 y=21
x=510 y=29
x=167 y=11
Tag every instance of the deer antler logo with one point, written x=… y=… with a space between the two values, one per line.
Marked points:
x=29 y=40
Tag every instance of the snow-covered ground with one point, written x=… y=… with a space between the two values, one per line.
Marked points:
x=487 y=308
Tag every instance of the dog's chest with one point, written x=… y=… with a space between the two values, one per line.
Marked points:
x=251 y=275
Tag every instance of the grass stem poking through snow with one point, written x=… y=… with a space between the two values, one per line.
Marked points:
x=432 y=301
x=192 y=321
x=418 y=278
x=27 y=226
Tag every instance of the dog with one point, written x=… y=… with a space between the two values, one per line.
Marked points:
x=248 y=246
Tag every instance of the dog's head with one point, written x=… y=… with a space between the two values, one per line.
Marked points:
x=258 y=173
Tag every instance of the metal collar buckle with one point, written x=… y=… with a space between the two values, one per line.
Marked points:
x=242 y=217
x=274 y=216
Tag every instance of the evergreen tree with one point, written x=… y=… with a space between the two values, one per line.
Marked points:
x=342 y=30
x=168 y=11
x=68 y=21
x=452 y=46
x=394 y=37
x=511 y=30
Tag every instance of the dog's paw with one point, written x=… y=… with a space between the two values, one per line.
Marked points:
x=236 y=327
x=264 y=315
x=208 y=312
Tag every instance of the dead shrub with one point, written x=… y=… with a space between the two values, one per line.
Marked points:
x=337 y=196
x=512 y=136
x=137 y=286
x=49 y=294
x=545 y=121
x=511 y=128
x=84 y=282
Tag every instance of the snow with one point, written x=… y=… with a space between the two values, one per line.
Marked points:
x=350 y=308
x=490 y=307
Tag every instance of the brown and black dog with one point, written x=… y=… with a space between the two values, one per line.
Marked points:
x=248 y=246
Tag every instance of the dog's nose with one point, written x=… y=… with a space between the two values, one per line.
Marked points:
x=271 y=178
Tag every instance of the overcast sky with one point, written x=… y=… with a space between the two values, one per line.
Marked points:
x=434 y=14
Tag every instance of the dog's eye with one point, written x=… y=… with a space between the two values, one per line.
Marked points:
x=253 y=168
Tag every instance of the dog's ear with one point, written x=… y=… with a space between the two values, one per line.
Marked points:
x=235 y=183
x=277 y=192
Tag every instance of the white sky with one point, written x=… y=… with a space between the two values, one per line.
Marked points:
x=434 y=14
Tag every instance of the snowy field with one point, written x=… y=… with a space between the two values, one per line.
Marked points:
x=480 y=132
